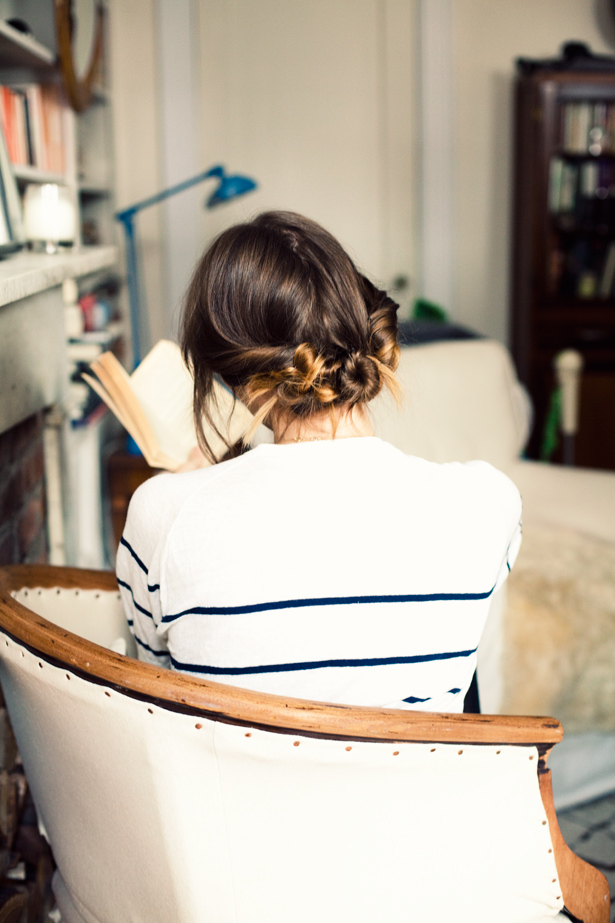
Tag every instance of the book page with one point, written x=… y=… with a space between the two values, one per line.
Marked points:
x=154 y=459
x=154 y=405
x=102 y=392
x=164 y=388
x=117 y=384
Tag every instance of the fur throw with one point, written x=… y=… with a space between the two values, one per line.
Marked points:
x=559 y=630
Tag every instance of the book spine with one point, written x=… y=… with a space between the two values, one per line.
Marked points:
x=11 y=139
x=556 y=170
x=608 y=273
x=28 y=127
x=5 y=118
x=33 y=94
x=569 y=188
x=20 y=129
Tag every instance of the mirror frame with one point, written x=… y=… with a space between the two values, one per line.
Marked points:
x=79 y=91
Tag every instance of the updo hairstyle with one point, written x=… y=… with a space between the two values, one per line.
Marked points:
x=277 y=308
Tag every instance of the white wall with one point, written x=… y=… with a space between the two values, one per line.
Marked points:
x=316 y=100
x=313 y=98
x=133 y=77
x=488 y=36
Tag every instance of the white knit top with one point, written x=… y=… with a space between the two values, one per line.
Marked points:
x=342 y=570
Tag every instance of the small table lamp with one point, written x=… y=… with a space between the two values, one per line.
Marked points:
x=229 y=187
x=49 y=215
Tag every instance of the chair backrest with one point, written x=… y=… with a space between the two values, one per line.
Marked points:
x=169 y=798
x=461 y=400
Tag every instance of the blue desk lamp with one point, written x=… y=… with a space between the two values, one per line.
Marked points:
x=229 y=187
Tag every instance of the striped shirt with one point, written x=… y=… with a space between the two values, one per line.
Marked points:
x=344 y=571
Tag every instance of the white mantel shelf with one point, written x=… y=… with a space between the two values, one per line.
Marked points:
x=33 y=356
x=27 y=274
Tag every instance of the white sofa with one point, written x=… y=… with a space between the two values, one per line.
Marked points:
x=549 y=646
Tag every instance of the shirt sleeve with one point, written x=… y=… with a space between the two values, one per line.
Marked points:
x=511 y=506
x=138 y=577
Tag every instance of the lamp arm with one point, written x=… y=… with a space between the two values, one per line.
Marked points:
x=126 y=216
x=167 y=193
x=133 y=287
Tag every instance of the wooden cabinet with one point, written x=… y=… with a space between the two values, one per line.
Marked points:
x=563 y=292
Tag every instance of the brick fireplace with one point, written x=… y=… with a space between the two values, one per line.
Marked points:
x=23 y=536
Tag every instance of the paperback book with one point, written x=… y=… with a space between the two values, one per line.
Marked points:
x=154 y=405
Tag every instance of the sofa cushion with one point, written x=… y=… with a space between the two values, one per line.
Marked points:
x=461 y=401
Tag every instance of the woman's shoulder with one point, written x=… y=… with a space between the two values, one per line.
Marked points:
x=158 y=499
x=477 y=482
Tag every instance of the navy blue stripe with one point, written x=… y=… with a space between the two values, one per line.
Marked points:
x=316 y=664
x=412 y=698
x=148 y=648
x=135 y=603
x=153 y=588
x=327 y=601
x=134 y=554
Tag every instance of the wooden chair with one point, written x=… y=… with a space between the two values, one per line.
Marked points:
x=167 y=798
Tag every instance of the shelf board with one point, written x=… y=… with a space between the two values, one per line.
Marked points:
x=607 y=154
x=27 y=174
x=602 y=232
x=19 y=50
x=93 y=189
x=590 y=310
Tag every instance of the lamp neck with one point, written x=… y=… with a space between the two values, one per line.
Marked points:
x=127 y=214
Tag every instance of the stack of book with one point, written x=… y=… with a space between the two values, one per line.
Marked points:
x=587 y=127
x=583 y=269
x=31 y=117
x=582 y=193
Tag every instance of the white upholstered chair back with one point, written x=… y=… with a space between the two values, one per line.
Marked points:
x=461 y=400
x=168 y=799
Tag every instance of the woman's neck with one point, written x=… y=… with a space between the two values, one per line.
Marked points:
x=289 y=428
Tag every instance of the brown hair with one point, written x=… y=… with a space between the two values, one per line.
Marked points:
x=277 y=308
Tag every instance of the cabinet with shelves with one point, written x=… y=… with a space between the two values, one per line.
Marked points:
x=563 y=291
x=85 y=164
x=38 y=352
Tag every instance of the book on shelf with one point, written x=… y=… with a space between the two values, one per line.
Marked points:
x=581 y=194
x=154 y=405
x=607 y=279
x=32 y=122
x=588 y=127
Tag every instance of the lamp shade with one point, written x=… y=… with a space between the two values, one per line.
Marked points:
x=230 y=187
x=49 y=214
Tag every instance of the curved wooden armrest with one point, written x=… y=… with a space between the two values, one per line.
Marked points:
x=584 y=888
x=17 y=576
x=182 y=692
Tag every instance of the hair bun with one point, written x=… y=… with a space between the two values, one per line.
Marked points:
x=359 y=378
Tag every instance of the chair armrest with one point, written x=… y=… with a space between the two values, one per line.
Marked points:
x=15 y=576
x=584 y=888
x=574 y=498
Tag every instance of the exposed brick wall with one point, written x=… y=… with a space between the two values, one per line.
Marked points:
x=23 y=537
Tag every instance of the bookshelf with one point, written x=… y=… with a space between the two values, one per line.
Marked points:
x=563 y=287
x=23 y=51
x=39 y=353
x=29 y=69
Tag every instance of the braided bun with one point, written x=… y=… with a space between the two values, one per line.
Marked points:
x=278 y=310
x=359 y=378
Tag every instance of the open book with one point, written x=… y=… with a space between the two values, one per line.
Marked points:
x=155 y=405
